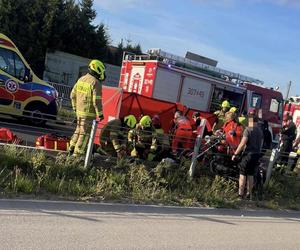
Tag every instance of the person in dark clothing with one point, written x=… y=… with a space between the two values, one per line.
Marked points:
x=288 y=135
x=267 y=135
x=250 y=145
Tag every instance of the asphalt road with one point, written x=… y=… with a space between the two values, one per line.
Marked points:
x=29 y=224
x=29 y=133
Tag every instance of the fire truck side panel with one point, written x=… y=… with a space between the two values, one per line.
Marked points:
x=195 y=93
x=166 y=85
x=138 y=77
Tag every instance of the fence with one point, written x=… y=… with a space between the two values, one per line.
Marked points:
x=268 y=160
x=64 y=92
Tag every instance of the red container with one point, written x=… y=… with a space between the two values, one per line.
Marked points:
x=51 y=141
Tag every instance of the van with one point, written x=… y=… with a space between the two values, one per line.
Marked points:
x=22 y=94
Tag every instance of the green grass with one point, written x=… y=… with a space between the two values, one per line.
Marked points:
x=66 y=114
x=31 y=172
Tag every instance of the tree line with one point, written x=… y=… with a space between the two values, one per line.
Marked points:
x=66 y=25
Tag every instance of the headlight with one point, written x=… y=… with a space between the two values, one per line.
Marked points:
x=52 y=92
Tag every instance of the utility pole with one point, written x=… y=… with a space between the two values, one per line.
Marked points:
x=288 y=90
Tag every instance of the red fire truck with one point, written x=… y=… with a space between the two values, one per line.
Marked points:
x=292 y=107
x=198 y=86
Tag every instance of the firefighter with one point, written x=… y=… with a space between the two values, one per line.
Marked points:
x=233 y=129
x=197 y=119
x=183 y=133
x=232 y=111
x=288 y=135
x=143 y=139
x=86 y=97
x=114 y=136
x=199 y=128
x=243 y=119
x=163 y=141
x=296 y=166
x=225 y=106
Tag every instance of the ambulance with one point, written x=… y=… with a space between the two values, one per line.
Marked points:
x=22 y=94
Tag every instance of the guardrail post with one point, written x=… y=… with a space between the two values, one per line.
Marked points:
x=90 y=146
x=194 y=158
x=273 y=158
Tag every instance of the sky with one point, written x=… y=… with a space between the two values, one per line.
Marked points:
x=256 y=38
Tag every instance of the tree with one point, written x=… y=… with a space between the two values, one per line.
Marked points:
x=66 y=25
x=118 y=56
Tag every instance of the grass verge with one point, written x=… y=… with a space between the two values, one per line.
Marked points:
x=31 y=172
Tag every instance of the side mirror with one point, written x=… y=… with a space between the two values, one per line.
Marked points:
x=28 y=78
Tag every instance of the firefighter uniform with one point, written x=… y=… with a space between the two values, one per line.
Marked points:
x=163 y=143
x=221 y=116
x=143 y=139
x=233 y=130
x=183 y=135
x=86 y=97
x=113 y=137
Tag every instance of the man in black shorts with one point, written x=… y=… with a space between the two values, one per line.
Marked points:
x=250 y=145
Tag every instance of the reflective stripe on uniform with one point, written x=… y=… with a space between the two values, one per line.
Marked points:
x=85 y=114
x=98 y=97
x=83 y=87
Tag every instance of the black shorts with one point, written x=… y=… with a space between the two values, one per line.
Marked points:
x=249 y=163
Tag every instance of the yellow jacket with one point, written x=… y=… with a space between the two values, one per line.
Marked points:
x=86 y=97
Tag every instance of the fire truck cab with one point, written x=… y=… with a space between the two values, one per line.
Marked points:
x=22 y=93
x=164 y=76
x=292 y=107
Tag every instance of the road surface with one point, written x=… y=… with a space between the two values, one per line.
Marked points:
x=27 y=224
x=30 y=133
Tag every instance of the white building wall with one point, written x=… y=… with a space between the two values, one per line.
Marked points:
x=65 y=68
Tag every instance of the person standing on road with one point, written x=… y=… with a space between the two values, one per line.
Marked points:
x=86 y=97
x=250 y=146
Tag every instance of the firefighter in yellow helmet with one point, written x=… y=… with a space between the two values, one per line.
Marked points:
x=163 y=140
x=143 y=139
x=225 y=106
x=86 y=97
x=113 y=136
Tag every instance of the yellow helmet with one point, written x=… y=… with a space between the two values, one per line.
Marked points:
x=98 y=68
x=225 y=104
x=233 y=109
x=146 y=121
x=130 y=121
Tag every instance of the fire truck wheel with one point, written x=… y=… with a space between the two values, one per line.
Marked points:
x=34 y=114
